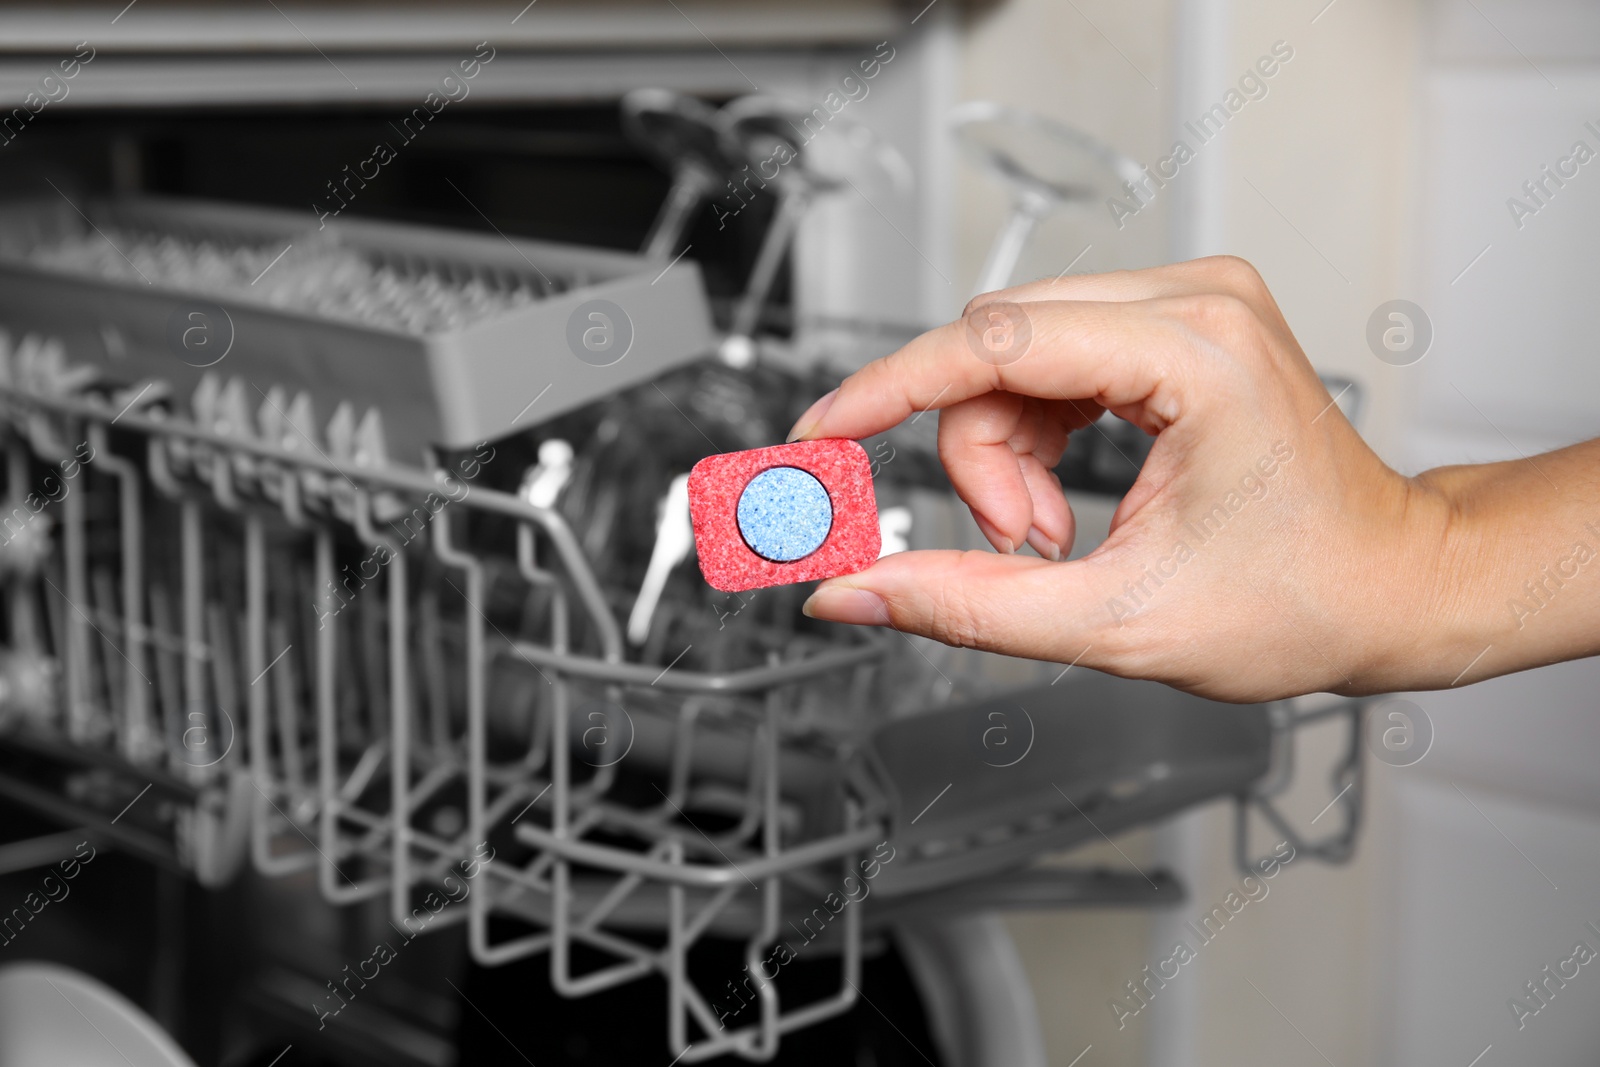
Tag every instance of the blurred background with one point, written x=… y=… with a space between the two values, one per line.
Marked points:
x=1359 y=153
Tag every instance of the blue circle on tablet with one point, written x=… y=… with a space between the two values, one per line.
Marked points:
x=785 y=514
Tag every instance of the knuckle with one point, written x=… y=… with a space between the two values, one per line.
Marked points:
x=954 y=629
x=898 y=373
x=1219 y=315
x=956 y=632
x=976 y=303
x=1238 y=274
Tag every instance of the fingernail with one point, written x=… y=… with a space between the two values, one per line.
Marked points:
x=844 y=604
x=1043 y=545
x=808 y=422
x=1002 y=544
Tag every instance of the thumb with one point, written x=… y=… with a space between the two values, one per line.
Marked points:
x=1016 y=605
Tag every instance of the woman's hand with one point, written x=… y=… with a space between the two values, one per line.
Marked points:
x=1264 y=550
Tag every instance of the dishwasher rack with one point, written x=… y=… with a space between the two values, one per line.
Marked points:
x=406 y=684
x=446 y=332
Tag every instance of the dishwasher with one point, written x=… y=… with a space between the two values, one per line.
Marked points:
x=350 y=623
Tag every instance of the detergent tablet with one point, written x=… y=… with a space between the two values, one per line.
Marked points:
x=790 y=513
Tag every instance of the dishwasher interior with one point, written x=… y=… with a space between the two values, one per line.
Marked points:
x=348 y=613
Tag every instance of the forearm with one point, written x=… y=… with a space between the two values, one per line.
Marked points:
x=1517 y=583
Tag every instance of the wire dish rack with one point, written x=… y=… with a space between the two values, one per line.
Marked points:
x=232 y=636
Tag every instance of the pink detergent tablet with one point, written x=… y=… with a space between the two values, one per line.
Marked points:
x=790 y=513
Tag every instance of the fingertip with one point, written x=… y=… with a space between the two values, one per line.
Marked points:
x=1054 y=527
x=1043 y=545
x=1002 y=544
x=838 y=601
x=807 y=424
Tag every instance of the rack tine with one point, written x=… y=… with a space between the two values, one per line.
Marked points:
x=225 y=684
x=81 y=724
x=196 y=650
x=167 y=684
x=286 y=691
x=103 y=606
x=430 y=639
x=139 y=737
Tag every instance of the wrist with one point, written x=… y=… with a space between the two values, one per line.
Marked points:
x=1448 y=565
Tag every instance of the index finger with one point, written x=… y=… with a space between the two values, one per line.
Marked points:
x=1116 y=354
x=1214 y=274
